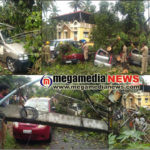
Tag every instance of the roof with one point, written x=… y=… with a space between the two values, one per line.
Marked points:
x=80 y=16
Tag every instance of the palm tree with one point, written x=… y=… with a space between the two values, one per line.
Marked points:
x=76 y=4
x=47 y=8
x=54 y=11
x=88 y=7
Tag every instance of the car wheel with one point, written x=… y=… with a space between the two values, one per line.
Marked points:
x=11 y=65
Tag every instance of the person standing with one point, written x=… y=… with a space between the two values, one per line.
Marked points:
x=85 y=50
x=144 y=51
x=124 y=54
x=46 y=54
x=4 y=90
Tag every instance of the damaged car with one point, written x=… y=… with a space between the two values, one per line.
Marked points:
x=12 y=53
x=135 y=57
x=103 y=58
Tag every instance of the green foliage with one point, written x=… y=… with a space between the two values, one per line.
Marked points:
x=131 y=27
x=89 y=7
x=80 y=68
x=34 y=41
x=138 y=145
x=15 y=15
x=127 y=139
x=99 y=98
x=14 y=81
x=134 y=11
x=111 y=140
x=10 y=142
x=66 y=49
x=145 y=113
x=106 y=28
x=25 y=17
x=76 y=4
x=129 y=135
x=34 y=21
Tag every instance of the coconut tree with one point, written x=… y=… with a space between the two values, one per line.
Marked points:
x=77 y=4
x=88 y=7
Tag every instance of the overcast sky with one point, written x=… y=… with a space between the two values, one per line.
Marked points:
x=64 y=7
x=147 y=79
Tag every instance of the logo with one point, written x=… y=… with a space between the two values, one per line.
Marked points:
x=46 y=81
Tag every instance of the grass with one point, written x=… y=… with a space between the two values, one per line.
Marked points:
x=4 y=71
x=72 y=69
x=81 y=68
x=10 y=142
x=88 y=68
x=137 y=69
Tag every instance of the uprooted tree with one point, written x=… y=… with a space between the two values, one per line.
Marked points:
x=125 y=19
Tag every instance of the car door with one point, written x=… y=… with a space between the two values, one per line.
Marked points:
x=136 y=56
x=102 y=56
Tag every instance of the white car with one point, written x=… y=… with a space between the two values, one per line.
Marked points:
x=103 y=58
x=13 y=53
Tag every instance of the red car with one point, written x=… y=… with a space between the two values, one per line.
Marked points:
x=36 y=132
x=73 y=58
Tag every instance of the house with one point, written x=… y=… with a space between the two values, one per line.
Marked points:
x=76 y=26
x=140 y=98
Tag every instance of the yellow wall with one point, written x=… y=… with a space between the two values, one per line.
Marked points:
x=135 y=100
x=143 y=102
x=80 y=34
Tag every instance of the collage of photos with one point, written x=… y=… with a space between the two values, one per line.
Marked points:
x=74 y=74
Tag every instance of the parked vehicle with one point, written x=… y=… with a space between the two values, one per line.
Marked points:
x=55 y=43
x=103 y=58
x=135 y=57
x=23 y=131
x=73 y=58
x=13 y=53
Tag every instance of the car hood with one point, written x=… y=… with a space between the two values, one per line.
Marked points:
x=27 y=124
x=18 y=48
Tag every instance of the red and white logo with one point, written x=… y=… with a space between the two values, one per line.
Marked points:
x=46 y=81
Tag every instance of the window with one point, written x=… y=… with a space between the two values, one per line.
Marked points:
x=75 y=34
x=66 y=35
x=86 y=34
x=139 y=101
x=102 y=53
x=146 y=100
x=75 y=23
x=59 y=35
x=135 y=51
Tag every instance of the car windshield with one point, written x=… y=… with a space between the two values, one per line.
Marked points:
x=52 y=43
x=41 y=105
x=7 y=34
